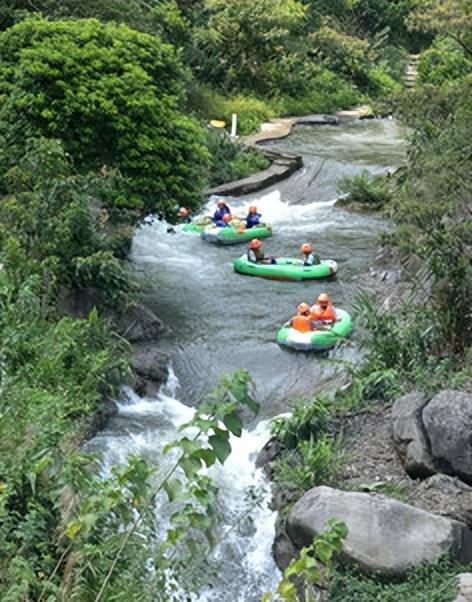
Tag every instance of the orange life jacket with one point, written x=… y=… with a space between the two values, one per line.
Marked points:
x=327 y=315
x=301 y=323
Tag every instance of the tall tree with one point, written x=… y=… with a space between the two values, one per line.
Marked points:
x=112 y=96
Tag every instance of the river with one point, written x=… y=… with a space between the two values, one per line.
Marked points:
x=218 y=321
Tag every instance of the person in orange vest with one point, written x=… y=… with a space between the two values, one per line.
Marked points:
x=302 y=321
x=323 y=310
x=255 y=254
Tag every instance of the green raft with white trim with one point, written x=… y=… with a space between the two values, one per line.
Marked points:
x=317 y=340
x=234 y=236
x=286 y=268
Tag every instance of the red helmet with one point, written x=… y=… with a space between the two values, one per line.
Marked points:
x=221 y=203
x=252 y=209
x=227 y=217
x=303 y=308
x=183 y=212
x=255 y=244
x=306 y=247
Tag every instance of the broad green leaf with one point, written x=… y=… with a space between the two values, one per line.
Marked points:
x=220 y=446
x=233 y=423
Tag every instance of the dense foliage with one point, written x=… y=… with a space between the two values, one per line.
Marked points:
x=111 y=95
x=428 y=583
x=96 y=127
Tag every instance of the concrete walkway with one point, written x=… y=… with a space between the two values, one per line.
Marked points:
x=283 y=164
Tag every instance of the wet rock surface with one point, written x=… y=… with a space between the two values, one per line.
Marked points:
x=139 y=324
x=150 y=367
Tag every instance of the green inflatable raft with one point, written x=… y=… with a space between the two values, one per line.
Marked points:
x=317 y=340
x=286 y=268
x=197 y=225
x=233 y=236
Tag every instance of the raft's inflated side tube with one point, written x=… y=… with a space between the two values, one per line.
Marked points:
x=233 y=236
x=192 y=227
x=286 y=268
x=317 y=340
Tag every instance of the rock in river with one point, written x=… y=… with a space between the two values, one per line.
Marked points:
x=384 y=534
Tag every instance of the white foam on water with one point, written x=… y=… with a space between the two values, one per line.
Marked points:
x=243 y=557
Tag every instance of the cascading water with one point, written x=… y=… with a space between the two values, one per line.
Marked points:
x=218 y=321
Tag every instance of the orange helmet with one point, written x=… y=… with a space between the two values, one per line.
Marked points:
x=306 y=247
x=252 y=209
x=323 y=300
x=227 y=217
x=303 y=308
x=255 y=244
x=221 y=203
x=183 y=212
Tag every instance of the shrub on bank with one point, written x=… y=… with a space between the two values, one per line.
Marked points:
x=326 y=93
x=231 y=161
x=430 y=582
x=364 y=189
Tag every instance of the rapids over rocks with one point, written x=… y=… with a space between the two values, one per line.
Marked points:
x=218 y=321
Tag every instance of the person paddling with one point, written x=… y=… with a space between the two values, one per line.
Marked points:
x=255 y=254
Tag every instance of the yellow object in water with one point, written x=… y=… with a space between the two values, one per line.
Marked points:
x=216 y=123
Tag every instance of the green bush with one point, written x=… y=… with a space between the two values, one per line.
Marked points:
x=367 y=190
x=47 y=228
x=382 y=83
x=442 y=63
x=427 y=583
x=231 y=161
x=112 y=96
x=209 y=104
x=327 y=92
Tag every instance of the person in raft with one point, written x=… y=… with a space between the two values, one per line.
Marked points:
x=222 y=209
x=323 y=311
x=183 y=216
x=225 y=221
x=308 y=256
x=302 y=321
x=255 y=254
x=252 y=218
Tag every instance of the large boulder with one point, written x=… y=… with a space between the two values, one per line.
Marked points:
x=447 y=419
x=150 y=367
x=465 y=587
x=409 y=437
x=384 y=534
x=139 y=324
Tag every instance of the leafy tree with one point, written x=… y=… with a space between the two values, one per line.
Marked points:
x=112 y=96
x=161 y=17
x=251 y=45
x=443 y=63
x=47 y=228
x=450 y=17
